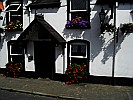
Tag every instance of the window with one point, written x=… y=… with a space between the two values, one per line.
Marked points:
x=14 y=12
x=80 y=5
x=78 y=50
x=78 y=14
x=16 y=49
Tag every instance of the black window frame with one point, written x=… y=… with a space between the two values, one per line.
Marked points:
x=84 y=12
x=16 y=14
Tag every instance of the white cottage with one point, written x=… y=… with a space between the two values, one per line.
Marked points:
x=50 y=34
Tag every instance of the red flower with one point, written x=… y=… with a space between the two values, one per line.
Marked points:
x=72 y=81
x=75 y=73
x=76 y=70
x=67 y=82
x=84 y=66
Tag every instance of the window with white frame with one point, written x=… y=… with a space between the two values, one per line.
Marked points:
x=79 y=9
x=78 y=53
x=78 y=50
x=14 y=11
x=16 y=49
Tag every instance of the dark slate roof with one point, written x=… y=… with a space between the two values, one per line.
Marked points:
x=46 y=25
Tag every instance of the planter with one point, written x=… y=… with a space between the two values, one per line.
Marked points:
x=126 y=28
x=14 y=26
x=77 y=23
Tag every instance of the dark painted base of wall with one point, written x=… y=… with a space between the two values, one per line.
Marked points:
x=118 y=81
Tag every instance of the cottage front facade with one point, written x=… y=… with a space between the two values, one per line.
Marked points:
x=51 y=34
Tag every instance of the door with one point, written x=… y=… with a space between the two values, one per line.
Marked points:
x=44 y=55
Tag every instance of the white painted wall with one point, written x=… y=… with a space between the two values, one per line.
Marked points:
x=3 y=54
x=124 y=46
x=29 y=64
x=101 y=46
x=59 y=67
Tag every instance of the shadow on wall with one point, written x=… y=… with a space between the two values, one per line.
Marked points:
x=7 y=36
x=99 y=42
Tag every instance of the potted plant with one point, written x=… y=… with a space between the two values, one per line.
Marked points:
x=127 y=28
x=13 y=68
x=14 y=25
x=76 y=23
x=76 y=73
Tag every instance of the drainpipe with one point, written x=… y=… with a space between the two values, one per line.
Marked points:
x=114 y=52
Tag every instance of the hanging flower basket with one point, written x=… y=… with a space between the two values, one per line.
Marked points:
x=127 y=28
x=77 y=23
x=13 y=69
x=14 y=25
x=76 y=73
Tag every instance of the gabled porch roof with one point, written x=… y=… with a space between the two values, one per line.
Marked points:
x=46 y=25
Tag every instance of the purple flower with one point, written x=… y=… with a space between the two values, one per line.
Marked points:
x=76 y=23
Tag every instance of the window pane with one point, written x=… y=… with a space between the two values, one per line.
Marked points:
x=78 y=50
x=83 y=15
x=79 y=61
x=78 y=4
x=17 y=58
x=16 y=49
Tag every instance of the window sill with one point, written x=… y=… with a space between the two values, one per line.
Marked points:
x=70 y=26
x=12 y=30
x=75 y=27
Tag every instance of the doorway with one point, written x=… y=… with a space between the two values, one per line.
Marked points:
x=44 y=55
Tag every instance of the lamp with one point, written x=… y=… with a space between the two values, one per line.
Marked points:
x=102 y=15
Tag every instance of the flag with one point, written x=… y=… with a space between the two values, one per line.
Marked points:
x=1 y=5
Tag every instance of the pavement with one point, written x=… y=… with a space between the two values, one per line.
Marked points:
x=58 y=89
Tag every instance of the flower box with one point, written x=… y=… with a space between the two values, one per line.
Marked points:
x=14 y=26
x=77 y=23
x=127 y=28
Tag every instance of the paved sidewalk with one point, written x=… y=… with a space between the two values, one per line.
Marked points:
x=84 y=91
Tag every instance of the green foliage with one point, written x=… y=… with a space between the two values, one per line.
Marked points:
x=13 y=67
x=14 y=25
x=76 y=73
x=127 y=28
